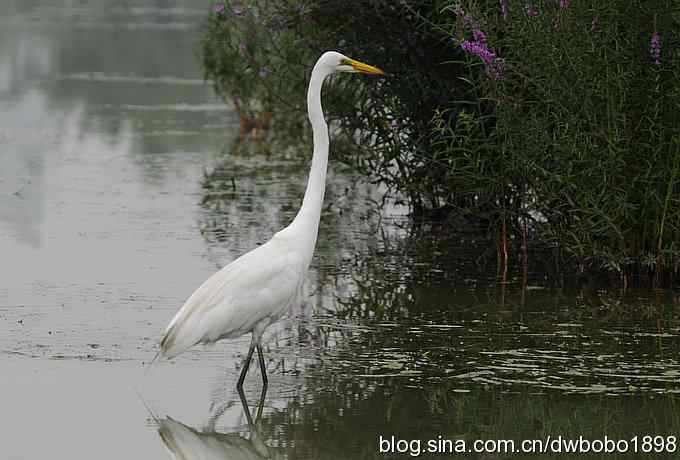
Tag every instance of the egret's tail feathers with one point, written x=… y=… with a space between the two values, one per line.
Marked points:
x=167 y=343
x=175 y=341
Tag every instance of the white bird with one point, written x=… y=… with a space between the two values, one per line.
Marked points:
x=256 y=289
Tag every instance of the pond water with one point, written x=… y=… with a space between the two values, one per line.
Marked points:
x=121 y=190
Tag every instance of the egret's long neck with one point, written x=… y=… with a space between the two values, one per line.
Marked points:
x=307 y=219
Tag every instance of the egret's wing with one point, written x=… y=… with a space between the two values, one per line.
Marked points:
x=258 y=285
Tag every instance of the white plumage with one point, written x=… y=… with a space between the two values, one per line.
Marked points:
x=185 y=443
x=251 y=292
x=259 y=287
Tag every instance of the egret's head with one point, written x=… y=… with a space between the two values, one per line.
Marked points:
x=336 y=62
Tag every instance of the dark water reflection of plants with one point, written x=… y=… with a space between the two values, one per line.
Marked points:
x=408 y=333
x=345 y=417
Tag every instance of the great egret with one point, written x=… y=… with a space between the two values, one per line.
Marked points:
x=256 y=289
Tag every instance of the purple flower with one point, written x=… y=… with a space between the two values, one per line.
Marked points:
x=595 y=23
x=478 y=35
x=530 y=11
x=493 y=65
x=264 y=71
x=655 y=48
x=504 y=9
x=495 y=69
x=478 y=49
x=564 y=4
x=218 y=8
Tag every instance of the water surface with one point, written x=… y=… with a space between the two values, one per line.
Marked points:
x=121 y=190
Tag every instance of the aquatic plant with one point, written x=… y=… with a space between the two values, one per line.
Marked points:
x=586 y=139
x=493 y=65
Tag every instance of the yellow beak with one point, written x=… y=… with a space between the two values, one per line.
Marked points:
x=364 y=68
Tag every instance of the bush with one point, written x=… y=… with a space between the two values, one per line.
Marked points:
x=588 y=128
x=384 y=126
x=552 y=121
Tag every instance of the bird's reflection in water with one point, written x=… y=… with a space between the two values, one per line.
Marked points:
x=187 y=443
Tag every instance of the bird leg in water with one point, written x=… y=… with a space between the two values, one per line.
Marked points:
x=252 y=424
x=246 y=365
x=263 y=368
x=246 y=409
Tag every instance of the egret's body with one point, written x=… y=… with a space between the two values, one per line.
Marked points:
x=259 y=287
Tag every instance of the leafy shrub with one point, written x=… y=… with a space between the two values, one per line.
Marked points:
x=588 y=127
x=383 y=125
x=556 y=119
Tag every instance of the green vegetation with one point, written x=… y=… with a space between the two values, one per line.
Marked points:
x=552 y=123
